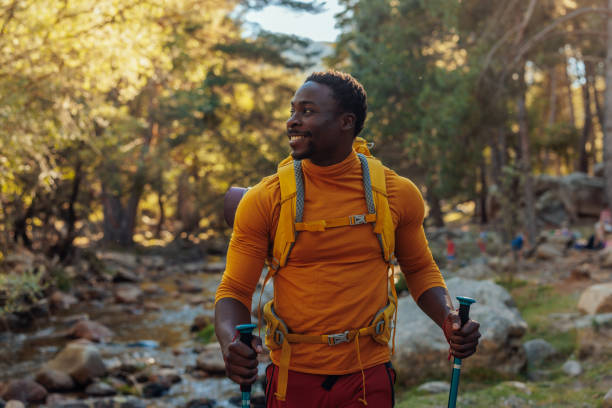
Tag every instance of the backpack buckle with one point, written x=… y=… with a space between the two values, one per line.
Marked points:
x=358 y=219
x=333 y=339
x=380 y=326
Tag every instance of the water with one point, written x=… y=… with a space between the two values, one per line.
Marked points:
x=148 y=338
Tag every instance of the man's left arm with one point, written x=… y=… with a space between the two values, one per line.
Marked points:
x=423 y=276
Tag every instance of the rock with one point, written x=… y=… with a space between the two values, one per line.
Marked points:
x=521 y=386
x=90 y=330
x=421 y=348
x=127 y=293
x=194 y=267
x=476 y=271
x=123 y=274
x=100 y=389
x=190 y=286
x=81 y=360
x=153 y=262
x=155 y=390
x=572 y=368
x=54 y=380
x=200 y=322
x=548 y=251
x=62 y=301
x=201 y=403
x=151 y=306
x=151 y=289
x=435 y=387
x=26 y=391
x=14 y=404
x=594 y=335
x=127 y=260
x=596 y=299
x=211 y=359
x=605 y=257
x=215 y=267
x=167 y=376
x=538 y=351
x=607 y=400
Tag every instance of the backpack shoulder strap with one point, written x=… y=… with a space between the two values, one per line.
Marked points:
x=291 y=211
x=383 y=228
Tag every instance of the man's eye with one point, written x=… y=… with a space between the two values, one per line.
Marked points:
x=308 y=110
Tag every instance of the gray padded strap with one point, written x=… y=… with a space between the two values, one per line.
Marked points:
x=367 y=183
x=299 y=190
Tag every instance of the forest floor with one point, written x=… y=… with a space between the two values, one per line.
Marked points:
x=546 y=293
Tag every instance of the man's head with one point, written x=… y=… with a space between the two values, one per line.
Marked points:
x=327 y=112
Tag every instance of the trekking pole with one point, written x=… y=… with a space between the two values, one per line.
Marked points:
x=246 y=336
x=464 y=315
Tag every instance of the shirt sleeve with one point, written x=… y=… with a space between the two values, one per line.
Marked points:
x=248 y=247
x=411 y=247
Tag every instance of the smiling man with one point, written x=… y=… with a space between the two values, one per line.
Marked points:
x=331 y=224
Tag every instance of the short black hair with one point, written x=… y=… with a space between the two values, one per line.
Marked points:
x=348 y=92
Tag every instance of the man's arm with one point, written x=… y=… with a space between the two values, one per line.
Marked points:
x=423 y=276
x=436 y=303
x=240 y=359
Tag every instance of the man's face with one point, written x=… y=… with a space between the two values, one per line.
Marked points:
x=315 y=128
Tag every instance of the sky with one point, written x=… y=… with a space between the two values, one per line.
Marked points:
x=318 y=27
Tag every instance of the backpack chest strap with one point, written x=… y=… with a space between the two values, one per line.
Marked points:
x=322 y=225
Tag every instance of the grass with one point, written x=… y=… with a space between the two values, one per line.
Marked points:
x=484 y=388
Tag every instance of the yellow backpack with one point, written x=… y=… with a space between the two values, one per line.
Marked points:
x=290 y=223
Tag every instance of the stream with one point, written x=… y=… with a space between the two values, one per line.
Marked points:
x=153 y=338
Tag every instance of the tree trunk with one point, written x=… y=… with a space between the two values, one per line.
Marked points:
x=64 y=246
x=570 y=99
x=583 y=160
x=608 y=111
x=119 y=219
x=483 y=193
x=530 y=218
x=435 y=209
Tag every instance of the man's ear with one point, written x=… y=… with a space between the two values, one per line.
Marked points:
x=347 y=121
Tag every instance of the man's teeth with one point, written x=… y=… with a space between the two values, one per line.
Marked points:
x=296 y=137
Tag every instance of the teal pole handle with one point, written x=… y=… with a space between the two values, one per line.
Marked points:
x=246 y=335
x=464 y=315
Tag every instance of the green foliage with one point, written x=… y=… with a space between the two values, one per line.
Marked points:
x=207 y=334
x=18 y=290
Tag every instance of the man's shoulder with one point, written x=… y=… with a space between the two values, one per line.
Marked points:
x=400 y=185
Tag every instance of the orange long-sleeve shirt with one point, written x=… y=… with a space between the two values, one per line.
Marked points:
x=334 y=280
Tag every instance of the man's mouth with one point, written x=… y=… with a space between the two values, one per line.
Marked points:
x=297 y=135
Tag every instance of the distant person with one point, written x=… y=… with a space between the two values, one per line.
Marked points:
x=451 y=254
x=481 y=241
x=517 y=246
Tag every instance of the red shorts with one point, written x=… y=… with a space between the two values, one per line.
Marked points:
x=333 y=391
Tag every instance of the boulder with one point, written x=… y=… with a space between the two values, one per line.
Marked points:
x=192 y=285
x=100 y=389
x=422 y=350
x=54 y=380
x=476 y=271
x=548 y=251
x=81 y=360
x=201 y=321
x=211 y=359
x=26 y=391
x=538 y=351
x=594 y=335
x=572 y=368
x=62 y=301
x=90 y=330
x=596 y=299
x=605 y=257
x=434 y=387
x=127 y=293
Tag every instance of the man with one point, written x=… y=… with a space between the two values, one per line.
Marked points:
x=334 y=281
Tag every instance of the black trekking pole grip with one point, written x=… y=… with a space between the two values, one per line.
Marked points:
x=464 y=315
x=246 y=336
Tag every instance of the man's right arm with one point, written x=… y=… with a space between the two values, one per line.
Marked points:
x=245 y=258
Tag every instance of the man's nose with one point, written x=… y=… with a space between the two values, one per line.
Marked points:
x=293 y=121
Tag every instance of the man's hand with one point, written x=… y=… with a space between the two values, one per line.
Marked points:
x=462 y=340
x=241 y=360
